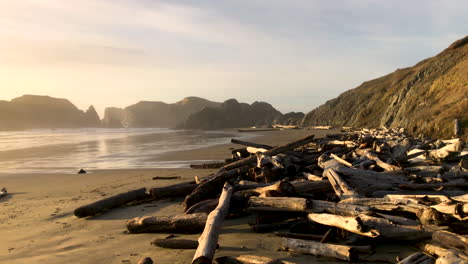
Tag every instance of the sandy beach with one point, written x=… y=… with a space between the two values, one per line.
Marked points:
x=37 y=224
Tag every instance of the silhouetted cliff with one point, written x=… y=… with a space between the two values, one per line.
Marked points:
x=33 y=111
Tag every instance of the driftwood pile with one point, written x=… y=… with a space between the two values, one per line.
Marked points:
x=336 y=196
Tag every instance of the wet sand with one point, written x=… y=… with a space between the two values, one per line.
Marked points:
x=37 y=224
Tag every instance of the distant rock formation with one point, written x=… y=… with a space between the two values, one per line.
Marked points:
x=113 y=117
x=425 y=98
x=33 y=111
x=155 y=114
x=231 y=114
x=291 y=118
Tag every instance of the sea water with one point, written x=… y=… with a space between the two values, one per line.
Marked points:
x=68 y=150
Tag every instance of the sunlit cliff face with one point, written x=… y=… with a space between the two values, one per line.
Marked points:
x=293 y=54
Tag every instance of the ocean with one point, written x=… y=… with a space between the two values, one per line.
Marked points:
x=68 y=150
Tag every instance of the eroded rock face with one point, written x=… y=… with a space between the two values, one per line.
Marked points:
x=33 y=111
x=113 y=117
x=425 y=98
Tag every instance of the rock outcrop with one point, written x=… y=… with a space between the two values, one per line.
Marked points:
x=155 y=114
x=425 y=98
x=33 y=112
x=231 y=114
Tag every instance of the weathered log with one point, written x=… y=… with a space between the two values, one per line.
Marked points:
x=175 y=243
x=211 y=188
x=205 y=206
x=438 y=250
x=279 y=203
x=310 y=187
x=319 y=206
x=367 y=182
x=389 y=230
x=146 y=260
x=451 y=240
x=271 y=152
x=253 y=150
x=446 y=151
x=191 y=223
x=322 y=249
x=340 y=160
x=349 y=223
x=110 y=203
x=250 y=144
x=451 y=259
x=399 y=220
x=284 y=188
x=417 y=258
x=374 y=157
x=209 y=238
x=173 y=191
x=341 y=187
x=458 y=210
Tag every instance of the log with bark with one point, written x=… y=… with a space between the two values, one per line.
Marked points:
x=110 y=203
x=211 y=188
x=190 y=223
x=175 y=243
x=173 y=191
x=209 y=238
x=293 y=204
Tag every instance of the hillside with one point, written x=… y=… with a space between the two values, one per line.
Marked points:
x=425 y=98
x=33 y=111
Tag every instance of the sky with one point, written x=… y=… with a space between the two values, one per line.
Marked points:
x=294 y=54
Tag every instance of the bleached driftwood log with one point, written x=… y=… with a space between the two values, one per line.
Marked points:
x=319 y=206
x=294 y=204
x=349 y=223
x=110 y=202
x=451 y=240
x=380 y=163
x=341 y=187
x=190 y=223
x=209 y=238
x=250 y=259
x=342 y=252
x=271 y=152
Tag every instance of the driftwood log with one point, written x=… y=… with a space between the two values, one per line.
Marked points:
x=209 y=238
x=211 y=188
x=349 y=223
x=250 y=259
x=348 y=253
x=110 y=203
x=146 y=260
x=173 y=191
x=294 y=204
x=250 y=144
x=191 y=223
x=271 y=152
x=175 y=243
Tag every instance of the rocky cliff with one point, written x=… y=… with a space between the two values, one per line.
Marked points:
x=155 y=114
x=425 y=98
x=232 y=114
x=33 y=111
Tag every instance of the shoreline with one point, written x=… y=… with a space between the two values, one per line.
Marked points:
x=37 y=224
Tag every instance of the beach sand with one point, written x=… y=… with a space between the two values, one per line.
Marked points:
x=37 y=224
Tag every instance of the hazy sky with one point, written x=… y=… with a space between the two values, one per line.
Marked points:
x=294 y=54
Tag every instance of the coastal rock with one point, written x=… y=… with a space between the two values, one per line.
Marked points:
x=231 y=114
x=155 y=114
x=35 y=112
x=424 y=99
